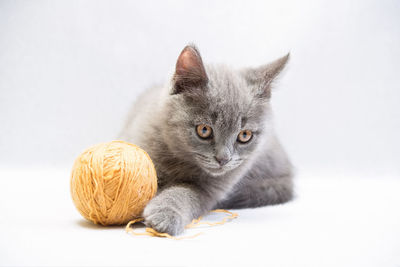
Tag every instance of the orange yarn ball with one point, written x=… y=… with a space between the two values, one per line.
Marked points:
x=111 y=183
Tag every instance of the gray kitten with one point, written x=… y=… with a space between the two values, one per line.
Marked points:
x=210 y=135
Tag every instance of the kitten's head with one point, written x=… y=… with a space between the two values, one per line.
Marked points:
x=217 y=117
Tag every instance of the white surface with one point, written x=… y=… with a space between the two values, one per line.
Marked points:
x=335 y=221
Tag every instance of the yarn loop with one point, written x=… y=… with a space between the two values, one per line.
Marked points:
x=194 y=224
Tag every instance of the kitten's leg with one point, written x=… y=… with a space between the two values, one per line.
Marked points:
x=251 y=193
x=175 y=207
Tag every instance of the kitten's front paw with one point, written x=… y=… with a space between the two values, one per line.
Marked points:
x=163 y=219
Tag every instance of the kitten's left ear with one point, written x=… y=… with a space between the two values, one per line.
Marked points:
x=263 y=76
x=189 y=71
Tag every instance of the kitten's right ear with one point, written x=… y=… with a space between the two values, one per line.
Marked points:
x=189 y=71
x=263 y=76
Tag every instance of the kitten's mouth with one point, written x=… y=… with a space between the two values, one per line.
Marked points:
x=214 y=169
x=218 y=170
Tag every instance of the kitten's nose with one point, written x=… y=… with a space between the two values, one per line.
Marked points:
x=222 y=160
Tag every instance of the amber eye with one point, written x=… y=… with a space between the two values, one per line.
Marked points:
x=244 y=136
x=204 y=131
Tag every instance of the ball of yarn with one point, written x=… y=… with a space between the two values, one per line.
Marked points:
x=111 y=183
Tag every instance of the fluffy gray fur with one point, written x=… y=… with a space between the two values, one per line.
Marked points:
x=191 y=180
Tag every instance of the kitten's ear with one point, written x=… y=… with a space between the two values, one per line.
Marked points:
x=263 y=76
x=189 y=71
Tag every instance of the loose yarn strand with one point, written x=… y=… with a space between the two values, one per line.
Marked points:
x=195 y=223
x=198 y=222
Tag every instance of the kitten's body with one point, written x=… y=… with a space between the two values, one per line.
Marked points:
x=163 y=122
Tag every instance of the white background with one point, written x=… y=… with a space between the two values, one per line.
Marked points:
x=69 y=71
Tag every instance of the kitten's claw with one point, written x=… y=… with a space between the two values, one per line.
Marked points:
x=163 y=219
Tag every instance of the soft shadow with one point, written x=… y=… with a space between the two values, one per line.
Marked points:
x=89 y=225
